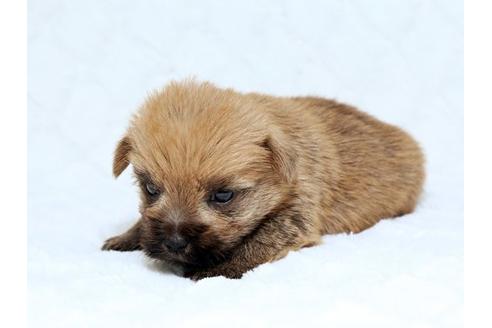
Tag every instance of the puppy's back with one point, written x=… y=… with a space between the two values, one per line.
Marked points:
x=380 y=167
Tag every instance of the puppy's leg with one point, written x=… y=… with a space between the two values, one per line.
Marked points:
x=129 y=241
x=271 y=242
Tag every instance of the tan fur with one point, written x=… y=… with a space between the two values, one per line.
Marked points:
x=305 y=167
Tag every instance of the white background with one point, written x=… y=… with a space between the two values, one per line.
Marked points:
x=91 y=63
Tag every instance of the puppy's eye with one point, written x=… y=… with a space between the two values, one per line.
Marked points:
x=152 y=189
x=221 y=196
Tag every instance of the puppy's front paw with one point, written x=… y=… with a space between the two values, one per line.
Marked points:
x=121 y=243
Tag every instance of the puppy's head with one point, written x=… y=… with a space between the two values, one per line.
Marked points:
x=211 y=169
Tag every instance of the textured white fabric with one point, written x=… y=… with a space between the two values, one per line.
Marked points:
x=91 y=63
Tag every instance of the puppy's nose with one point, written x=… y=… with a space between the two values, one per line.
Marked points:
x=176 y=243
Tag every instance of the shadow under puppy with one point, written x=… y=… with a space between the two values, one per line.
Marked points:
x=230 y=181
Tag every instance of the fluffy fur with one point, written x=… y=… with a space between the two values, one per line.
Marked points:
x=299 y=167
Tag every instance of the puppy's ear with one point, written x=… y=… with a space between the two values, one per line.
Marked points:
x=120 y=160
x=284 y=157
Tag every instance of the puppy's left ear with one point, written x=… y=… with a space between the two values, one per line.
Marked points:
x=284 y=157
x=120 y=160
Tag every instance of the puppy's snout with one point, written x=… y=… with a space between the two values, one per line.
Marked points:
x=176 y=243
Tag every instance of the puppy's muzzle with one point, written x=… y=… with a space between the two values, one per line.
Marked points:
x=176 y=243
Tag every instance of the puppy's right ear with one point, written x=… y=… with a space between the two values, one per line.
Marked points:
x=120 y=160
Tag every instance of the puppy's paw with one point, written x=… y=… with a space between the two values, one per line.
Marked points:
x=121 y=243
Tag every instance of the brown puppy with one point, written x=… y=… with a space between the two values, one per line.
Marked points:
x=230 y=181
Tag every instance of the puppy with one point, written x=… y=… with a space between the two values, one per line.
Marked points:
x=230 y=181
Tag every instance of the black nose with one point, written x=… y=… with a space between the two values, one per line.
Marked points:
x=176 y=243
